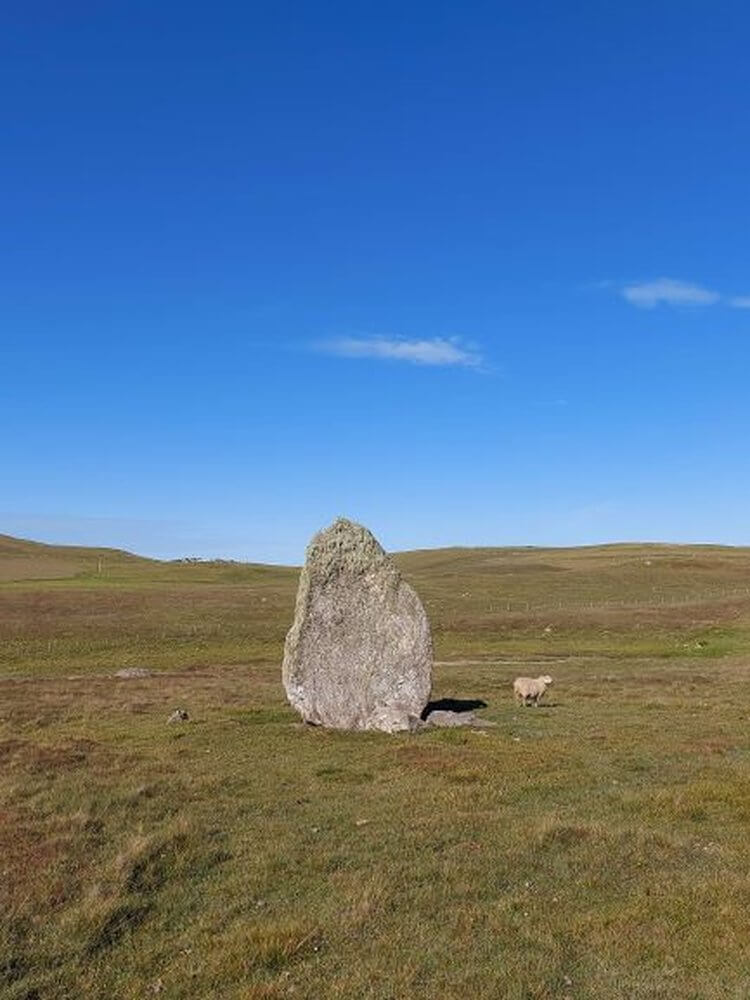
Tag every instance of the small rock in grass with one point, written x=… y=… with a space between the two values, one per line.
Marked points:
x=129 y=673
x=446 y=719
x=179 y=715
x=443 y=718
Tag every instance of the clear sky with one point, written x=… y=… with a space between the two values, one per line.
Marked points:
x=471 y=273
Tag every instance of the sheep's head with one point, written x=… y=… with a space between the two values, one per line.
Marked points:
x=546 y=679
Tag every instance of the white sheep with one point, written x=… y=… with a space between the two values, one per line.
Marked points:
x=529 y=690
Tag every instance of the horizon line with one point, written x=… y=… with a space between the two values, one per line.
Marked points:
x=438 y=548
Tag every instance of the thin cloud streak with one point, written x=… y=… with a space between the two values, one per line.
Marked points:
x=673 y=292
x=437 y=351
x=668 y=291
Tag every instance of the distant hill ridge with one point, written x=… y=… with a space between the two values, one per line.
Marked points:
x=24 y=559
x=12 y=546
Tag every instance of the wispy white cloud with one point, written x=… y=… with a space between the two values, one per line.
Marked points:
x=673 y=292
x=668 y=291
x=436 y=351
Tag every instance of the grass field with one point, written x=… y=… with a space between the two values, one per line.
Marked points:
x=594 y=848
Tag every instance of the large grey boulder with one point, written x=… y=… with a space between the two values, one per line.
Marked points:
x=359 y=653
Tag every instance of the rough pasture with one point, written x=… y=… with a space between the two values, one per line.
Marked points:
x=595 y=848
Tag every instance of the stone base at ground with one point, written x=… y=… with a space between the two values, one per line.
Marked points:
x=450 y=720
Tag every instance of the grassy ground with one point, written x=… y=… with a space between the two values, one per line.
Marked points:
x=592 y=849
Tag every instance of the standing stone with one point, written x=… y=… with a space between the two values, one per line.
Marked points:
x=359 y=653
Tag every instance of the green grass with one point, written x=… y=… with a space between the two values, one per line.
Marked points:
x=592 y=849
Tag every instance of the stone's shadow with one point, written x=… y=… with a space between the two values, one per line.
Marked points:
x=452 y=705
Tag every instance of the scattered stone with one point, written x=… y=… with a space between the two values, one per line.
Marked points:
x=128 y=673
x=359 y=653
x=179 y=715
x=449 y=720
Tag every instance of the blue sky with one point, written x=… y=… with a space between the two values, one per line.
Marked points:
x=470 y=273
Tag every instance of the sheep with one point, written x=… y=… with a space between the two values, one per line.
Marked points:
x=529 y=690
